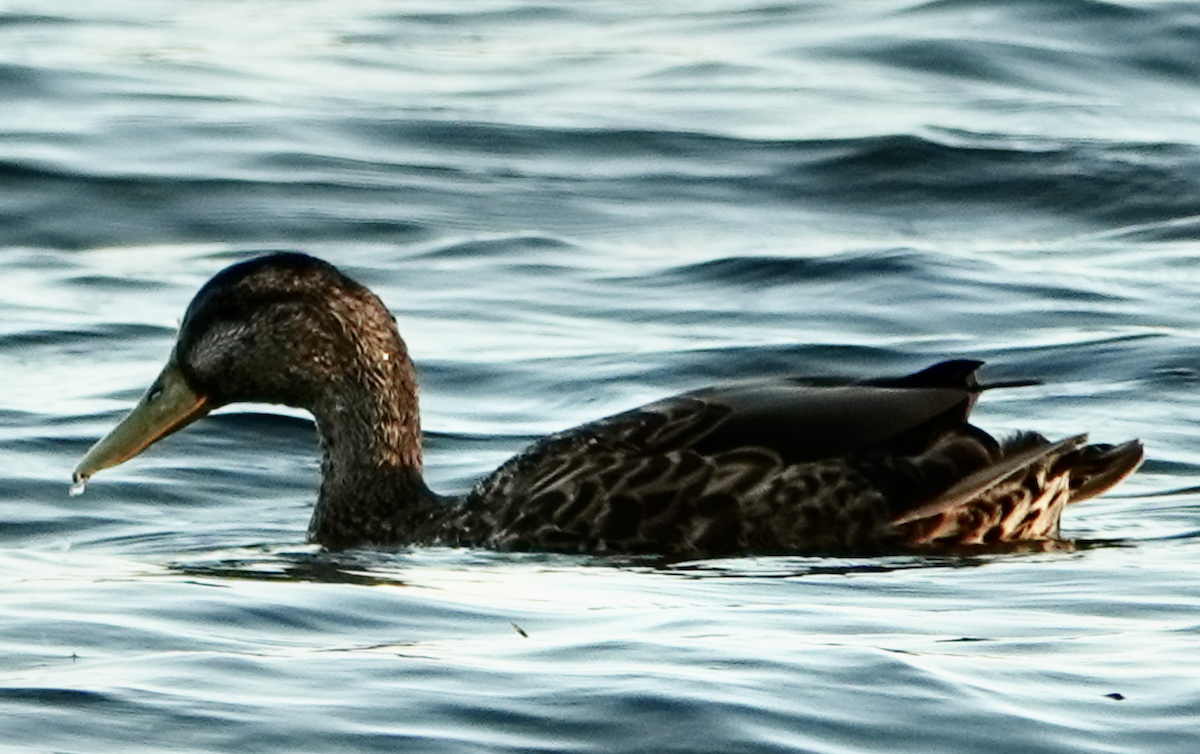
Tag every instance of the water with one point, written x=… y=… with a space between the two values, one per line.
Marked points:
x=572 y=209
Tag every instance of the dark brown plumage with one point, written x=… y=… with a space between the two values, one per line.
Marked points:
x=771 y=466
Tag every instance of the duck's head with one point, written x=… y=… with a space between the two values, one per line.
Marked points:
x=289 y=329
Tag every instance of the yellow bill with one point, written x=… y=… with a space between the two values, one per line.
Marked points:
x=169 y=405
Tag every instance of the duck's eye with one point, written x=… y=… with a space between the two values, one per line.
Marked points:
x=154 y=393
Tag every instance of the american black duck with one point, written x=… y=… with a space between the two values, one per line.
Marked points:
x=768 y=466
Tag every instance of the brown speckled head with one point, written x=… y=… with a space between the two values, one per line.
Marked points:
x=285 y=328
x=291 y=329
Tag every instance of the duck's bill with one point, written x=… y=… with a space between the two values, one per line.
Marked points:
x=168 y=406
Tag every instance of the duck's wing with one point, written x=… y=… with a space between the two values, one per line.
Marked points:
x=803 y=420
x=762 y=425
x=790 y=420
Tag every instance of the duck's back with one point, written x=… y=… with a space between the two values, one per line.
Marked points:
x=785 y=466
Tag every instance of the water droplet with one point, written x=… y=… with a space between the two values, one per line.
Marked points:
x=78 y=487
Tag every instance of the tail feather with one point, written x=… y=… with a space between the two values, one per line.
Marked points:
x=974 y=485
x=1020 y=496
x=1096 y=469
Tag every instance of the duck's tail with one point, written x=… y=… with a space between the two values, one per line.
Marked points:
x=1021 y=496
x=1096 y=469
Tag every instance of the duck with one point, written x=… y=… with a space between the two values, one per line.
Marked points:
x=761 y=466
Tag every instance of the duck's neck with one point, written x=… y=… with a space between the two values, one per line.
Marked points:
x=372 y=490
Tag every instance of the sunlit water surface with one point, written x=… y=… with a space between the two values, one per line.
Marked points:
x=572 y=209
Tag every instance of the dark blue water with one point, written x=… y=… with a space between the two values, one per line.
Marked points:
x=572 y=209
